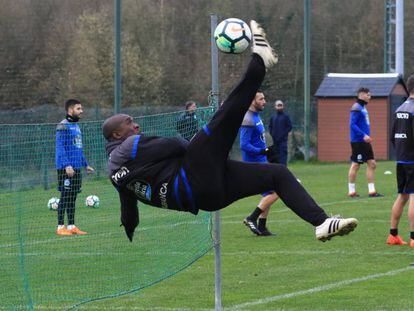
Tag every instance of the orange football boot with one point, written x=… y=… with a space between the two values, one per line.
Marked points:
x=397 y=240
x=63 y=231
x=76 y=230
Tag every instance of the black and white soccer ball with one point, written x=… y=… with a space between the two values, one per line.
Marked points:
x=53 y=204
x=92 y=201
x=232 y=36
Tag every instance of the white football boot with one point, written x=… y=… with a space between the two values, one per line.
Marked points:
x=261 y=46
x=335 y=226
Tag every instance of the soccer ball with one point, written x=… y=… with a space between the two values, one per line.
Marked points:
x=53 y=204
x=232 y=36
x=92 y=201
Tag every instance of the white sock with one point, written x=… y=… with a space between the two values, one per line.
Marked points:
x=371 y=188
x=70 y=227
x=351 y=188
x=61 y=227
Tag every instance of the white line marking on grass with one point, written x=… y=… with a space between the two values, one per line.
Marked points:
x=317 y=289
x=231 y=254
x=89 y=307
x=152 y=308
x=300 y=221
x=312 y=253
x=284 y=209
x=28 y=241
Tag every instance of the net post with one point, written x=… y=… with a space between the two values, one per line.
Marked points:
x=306 y=73
x=216 y=225
x=117 y=71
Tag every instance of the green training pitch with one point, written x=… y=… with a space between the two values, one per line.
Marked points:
x=291 y=271
x=294 y=271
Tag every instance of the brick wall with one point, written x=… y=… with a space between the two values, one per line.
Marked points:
x=333 y=128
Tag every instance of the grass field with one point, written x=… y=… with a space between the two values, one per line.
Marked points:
x=294 y=271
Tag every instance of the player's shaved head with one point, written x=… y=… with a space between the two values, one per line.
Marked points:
x=113 y=124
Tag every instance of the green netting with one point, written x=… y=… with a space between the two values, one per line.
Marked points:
x=40 y=269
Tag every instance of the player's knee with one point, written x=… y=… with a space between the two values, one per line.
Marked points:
x=372 y=164
x=404 y=197
x=274 y=197
x=355 y=166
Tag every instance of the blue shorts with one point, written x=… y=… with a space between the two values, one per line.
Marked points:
x=264 y=194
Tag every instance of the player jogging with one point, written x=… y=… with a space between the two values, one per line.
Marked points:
x=191 y=176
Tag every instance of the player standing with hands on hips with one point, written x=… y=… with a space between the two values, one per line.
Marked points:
x=187 y=176
x=69 y=162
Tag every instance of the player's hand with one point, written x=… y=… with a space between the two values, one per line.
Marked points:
x=367 y=139
x=90 y=170
x=129 y=232
x=69 y=171
x=265 y=151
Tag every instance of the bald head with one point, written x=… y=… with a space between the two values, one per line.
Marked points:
x=119 y=126
x=279 y=106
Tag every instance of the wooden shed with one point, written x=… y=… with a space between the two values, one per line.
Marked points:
x=335 y=97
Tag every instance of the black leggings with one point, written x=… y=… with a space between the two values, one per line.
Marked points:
x=67 y=203
x=217 y=182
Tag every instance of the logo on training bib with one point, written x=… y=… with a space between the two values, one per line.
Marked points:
x=163 y=195
x=402 y=115
x=141 y=189
x=400 y=135
x=122 y=172
x=78 y=141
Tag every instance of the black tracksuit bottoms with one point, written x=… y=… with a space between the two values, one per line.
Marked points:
x=217 y=181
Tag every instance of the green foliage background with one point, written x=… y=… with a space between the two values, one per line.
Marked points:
x=52 y=50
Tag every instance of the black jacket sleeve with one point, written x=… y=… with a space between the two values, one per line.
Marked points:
x=392 y=136
x=129 y=213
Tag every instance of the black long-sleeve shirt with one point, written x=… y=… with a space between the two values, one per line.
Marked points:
x=147 y=169
x=402 y=135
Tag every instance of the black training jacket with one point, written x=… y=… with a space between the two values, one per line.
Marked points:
x=402 y=135
x=147 y=168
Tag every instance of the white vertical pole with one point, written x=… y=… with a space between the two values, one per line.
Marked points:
x=216 y=226
x=399 y=37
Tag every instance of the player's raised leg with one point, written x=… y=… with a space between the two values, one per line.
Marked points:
x=223 y=128
x=246 y=179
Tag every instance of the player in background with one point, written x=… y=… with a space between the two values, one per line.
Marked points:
x=361 y=144
x=280 y=126
x=402 y=137
x=187 y=123
x=172 y=173
x=253 y=149
x=69 y=162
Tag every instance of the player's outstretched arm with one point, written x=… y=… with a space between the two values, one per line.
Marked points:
x=129 y=214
